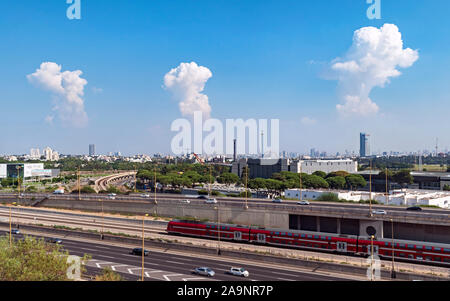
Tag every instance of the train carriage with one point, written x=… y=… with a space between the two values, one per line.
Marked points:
x=413 y=251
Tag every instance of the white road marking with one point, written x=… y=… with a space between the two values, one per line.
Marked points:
x=284 y=274
x=284 y=279
x=130 y=270
x=171 y=275
x=175 y=262
x=120 y=265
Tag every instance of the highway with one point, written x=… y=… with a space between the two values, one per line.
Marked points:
x=439 y=212
x=172 y=266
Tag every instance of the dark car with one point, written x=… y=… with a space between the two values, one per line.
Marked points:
x=415 y=208
x=202 y=197
x=138 y=251
x=15 y=231
x=54 y=240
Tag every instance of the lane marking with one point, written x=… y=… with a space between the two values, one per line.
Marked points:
x=171 y=275
x=174 y=262
x=284 y=279
x=119 y=265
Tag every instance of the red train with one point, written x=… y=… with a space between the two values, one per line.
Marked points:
x=414 y=251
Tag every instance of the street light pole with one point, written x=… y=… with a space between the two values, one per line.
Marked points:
x=393 y=274
x=218 y=228
x=370 y=187
x=246 y=187
x=387 y=193
x=10 y=224
x=156 y=202
x=300 y=176
x=143 y=247
x=371 y=255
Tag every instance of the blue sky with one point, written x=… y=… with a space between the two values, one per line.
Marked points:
x=267 y=60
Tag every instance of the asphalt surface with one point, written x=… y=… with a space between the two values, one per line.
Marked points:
x=174 y=267
x=225 y=200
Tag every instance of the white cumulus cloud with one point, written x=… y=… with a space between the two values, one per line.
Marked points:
x=68 y=90
x=372 y=60
x=187 y=82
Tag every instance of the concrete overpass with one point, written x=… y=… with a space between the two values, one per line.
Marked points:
x=345 y=219
x=102 y=183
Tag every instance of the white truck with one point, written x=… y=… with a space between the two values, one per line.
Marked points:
x=59 y=191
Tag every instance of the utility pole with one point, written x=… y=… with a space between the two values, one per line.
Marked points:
x=393 y=274
x=370 y=187
x=79 y=185
x=387 y=193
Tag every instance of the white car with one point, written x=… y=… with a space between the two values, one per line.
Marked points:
x=145 y=195
x=204 y=271
x=379 y=212
x=303 y=203
x=112 y=194
x=211 y=201
x=239 y=272
x=276 y=201
x=185 y=201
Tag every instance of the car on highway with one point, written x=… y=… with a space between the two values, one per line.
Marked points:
x=276 y=201
x=112 y=194
x=204 y=271
x=145 y=195
x=138 y=251
x=54 y=240
x=379 y=212
x=238 y=272
x=414 y=208
x=15 y=231
x=185 y=202
x=202 y=197
x=211 y=201
x=303 y=203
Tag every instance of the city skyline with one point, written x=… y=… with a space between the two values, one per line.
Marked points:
x=271 y=61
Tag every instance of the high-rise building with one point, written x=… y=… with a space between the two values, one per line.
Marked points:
x=48 y=153
x=35 y=153
x=91 y=149
x=364 y=146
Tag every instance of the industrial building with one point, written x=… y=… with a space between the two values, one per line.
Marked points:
x=327 y=166
x=26 y=171
x=405 y=197
x=265 y=168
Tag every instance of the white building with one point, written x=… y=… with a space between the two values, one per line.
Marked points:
x=50 y=155
x=35 y=153
x=403 y=197
x=327 y=166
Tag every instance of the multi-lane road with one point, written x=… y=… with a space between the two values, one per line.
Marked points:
x=174 y=266
x=228 y=200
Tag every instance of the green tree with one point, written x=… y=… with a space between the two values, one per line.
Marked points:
x=32 y=259
x=320 y=174
x=355 y=181
x=336 y=182
x=86 y=189
x=328 y=197
x=313 y=181
x=228 y=178
x=403 y=177
x=257 y=183
x=337 y=174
